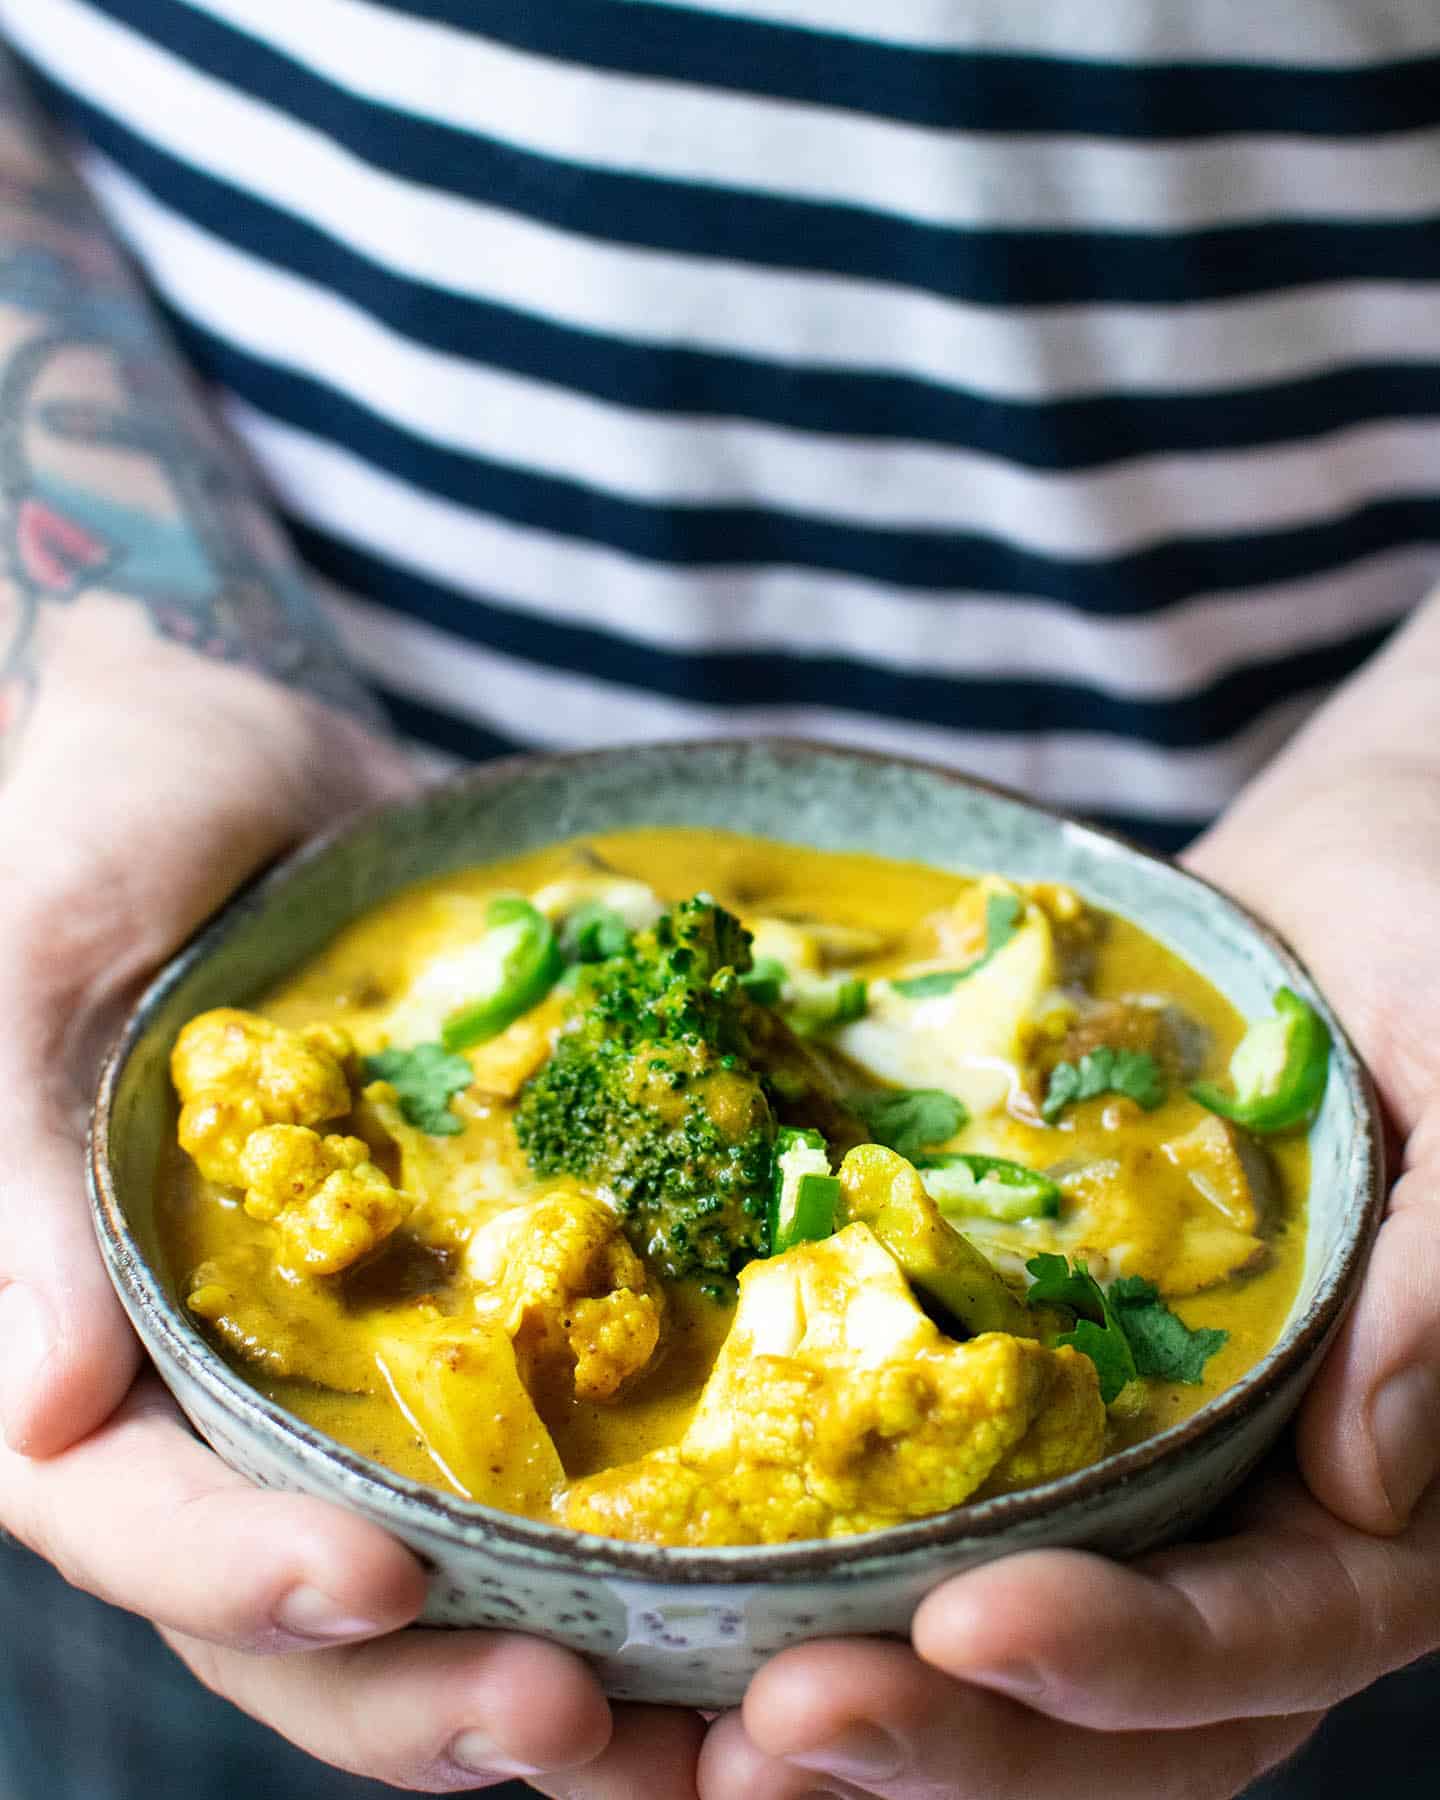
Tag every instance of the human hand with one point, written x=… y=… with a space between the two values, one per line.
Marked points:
x=1195 y=1669
x=147 y=784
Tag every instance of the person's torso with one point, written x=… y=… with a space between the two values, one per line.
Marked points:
x=1050 y=388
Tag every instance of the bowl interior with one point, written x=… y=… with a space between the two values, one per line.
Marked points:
x=826 y=799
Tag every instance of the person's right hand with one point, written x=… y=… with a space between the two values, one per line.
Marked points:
x=148 y=783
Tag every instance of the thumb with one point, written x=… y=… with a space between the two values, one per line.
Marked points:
x=67 y=1353
x=1369 y=1433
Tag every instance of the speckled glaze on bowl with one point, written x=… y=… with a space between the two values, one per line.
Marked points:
x=691 y=1626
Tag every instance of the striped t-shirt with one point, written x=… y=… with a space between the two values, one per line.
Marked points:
x=1050 y=388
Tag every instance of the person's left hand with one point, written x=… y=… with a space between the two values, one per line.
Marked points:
x=1193 y=1670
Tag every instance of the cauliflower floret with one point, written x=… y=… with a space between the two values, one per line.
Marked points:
x=235 y=1072
x=664 y=1500
x=1068 y=1433
x=836 y=1406
x=569 y=1290
x=328 y=1201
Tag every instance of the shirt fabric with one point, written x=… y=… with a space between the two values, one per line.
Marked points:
x=1047 y=389
x=1050 y=389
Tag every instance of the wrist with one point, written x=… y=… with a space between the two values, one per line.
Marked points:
x=148 y=782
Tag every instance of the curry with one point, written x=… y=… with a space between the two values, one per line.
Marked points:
x=697 y=1189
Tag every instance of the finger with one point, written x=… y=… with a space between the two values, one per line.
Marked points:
x=67 y=1353
x=653 y=1751
x=432 y=1711
x=1291 y=1615
x=143 y=1516
x=1369 y=1433
x=869 y=1718
x=732 y=1764
x=76 y=943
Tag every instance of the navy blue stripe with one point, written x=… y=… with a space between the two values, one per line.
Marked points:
x=472 y=742
x=729 y=679
x=442 y=730
x=994 y=267
x=1142 y=582
x=952 y=89
x=1064 y=434
x=1168 y=836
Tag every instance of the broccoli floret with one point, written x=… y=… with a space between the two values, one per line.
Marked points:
x=651 y=1093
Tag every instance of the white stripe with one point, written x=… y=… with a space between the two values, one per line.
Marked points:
x=1304 y=32
x=815 y=321
x=546 y=576
x=690 y=133
x=1086 y=771
x=661 y=459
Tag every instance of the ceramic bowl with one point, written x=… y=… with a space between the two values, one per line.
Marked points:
x=691 y=1626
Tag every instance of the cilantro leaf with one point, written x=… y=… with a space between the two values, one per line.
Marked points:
x=1109 y=1349
x=1099 y=1332
x=1002 y=921
x=910 y=1119
x=1127 y=1332
x=1055 y=1283
x=1134 y=1073
x=1002 y=918
x=925 y=987
x=424 y=1077
x=1164 y=1346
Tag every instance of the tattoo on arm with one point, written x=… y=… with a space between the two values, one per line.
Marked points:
x=113 y=480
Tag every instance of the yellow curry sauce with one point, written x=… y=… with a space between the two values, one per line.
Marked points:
x=884 y=917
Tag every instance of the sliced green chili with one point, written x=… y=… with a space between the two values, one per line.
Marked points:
x=522 y=962
x=1278 y=1071
x=965 y=1185
x=805 y=1196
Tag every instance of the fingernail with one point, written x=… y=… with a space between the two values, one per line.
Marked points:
x=1405 y=1421
x=478 y=1754
x=309 y=1613
x=27 y=1336
x=862 y=1752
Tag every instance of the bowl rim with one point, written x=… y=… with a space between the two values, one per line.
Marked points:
x=514 y=1538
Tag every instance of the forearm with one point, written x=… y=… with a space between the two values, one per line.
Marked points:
x=132 y=529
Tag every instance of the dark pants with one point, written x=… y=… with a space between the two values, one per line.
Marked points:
x=93 y=1707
